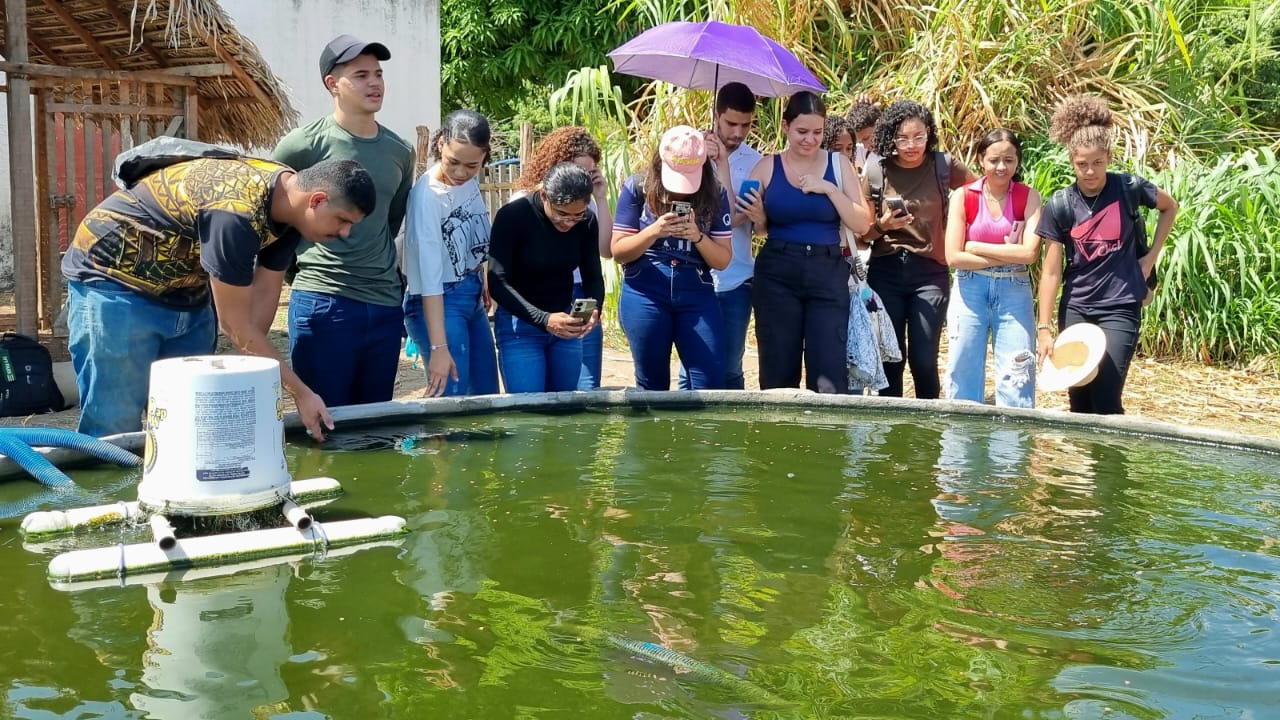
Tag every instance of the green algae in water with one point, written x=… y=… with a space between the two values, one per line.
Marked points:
x=859 y=566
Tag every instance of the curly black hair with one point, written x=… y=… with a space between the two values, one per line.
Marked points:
x=862 y=114
x=835 y=125
x=892 y=119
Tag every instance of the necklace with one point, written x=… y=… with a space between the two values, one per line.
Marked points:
x=1091 y=204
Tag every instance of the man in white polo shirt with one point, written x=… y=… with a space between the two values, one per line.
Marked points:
x=734 y=159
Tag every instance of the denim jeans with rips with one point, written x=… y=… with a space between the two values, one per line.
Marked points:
x=995 y=303
x=470 y=339
x=114 y=334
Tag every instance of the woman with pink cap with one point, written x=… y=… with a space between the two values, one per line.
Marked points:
x=670 y=229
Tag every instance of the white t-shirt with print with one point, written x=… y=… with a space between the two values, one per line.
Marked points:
x=446 y=233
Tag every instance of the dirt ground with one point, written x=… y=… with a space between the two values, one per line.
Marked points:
x=1232 y=400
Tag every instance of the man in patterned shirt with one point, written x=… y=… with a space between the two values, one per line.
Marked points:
x=145 y=264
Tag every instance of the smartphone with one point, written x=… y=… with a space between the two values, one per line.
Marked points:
x=747 y=187
x=896 y=204
x=582 y=308
x=1015 y=233
x=681 y=208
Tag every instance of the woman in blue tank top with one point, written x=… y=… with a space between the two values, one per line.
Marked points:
x=801 y=294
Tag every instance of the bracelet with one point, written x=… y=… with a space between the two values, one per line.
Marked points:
x=876 y=225
x=699 y=240
x=1044 y=326
x=437 y=347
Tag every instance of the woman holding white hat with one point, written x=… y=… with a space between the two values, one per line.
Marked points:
x=1095 y=227
x=671 y=228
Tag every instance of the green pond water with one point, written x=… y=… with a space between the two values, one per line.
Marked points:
x=802 y=565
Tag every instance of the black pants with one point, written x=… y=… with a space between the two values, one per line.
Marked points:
x=915 y=290
x=1120 y=324
x=801 y=300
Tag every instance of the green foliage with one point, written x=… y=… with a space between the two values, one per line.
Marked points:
x=1241 y=52
x=1219 y=297
x=497 y=54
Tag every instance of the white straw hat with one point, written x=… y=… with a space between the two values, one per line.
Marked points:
x=1076 y=355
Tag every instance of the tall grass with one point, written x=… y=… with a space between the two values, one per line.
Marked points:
x=1219 y=298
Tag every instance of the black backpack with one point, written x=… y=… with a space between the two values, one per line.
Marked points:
x=26 y=377
x=1059 y=208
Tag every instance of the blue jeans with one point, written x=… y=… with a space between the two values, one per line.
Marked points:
x=914 y=290
x=997 y=305
x=671 y=302
x=592 y=351
x=534 y=360
x=114 y=336
x=470 y=339
x=735 y=313
x=347 y=351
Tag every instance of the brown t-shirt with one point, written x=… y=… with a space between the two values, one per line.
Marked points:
x=918 y=187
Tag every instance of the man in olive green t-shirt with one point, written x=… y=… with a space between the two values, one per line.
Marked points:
x=345 y=317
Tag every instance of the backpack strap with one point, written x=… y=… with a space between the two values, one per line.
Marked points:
x=1133 y=198
x=874 y=171
x=972 y=199
x=942 y=172
x=1021 y=193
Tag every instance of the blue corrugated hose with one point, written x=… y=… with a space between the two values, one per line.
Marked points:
x=17 y=444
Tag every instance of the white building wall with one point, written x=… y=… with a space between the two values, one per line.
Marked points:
x=290 y=35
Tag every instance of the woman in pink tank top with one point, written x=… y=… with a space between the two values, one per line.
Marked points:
x=990 y=242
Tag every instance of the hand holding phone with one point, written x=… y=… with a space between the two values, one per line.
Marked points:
x=583 y=308
x=681 y=209
x=1015 y=233
x=748 y=185
x=896 y=204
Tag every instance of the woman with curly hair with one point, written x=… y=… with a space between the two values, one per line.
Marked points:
x=838 y=136
x=574 y=144
x=1095 y=226
x=672 y=227
x=862 y=117
x=909 y=182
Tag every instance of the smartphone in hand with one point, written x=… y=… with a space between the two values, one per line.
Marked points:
x=896 y=204
x=582 y=308
x=1015 y=233
x=681 y=209
x=747 y=186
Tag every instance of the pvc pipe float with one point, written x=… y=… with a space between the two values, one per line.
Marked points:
x=123 y=560
x=162 y=532
x=38 y=526
x=296 y=516
x=215 y=571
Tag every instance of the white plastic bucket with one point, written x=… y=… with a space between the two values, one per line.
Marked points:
x=215 y=436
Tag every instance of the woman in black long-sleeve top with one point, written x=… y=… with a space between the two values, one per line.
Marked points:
x=536 y=243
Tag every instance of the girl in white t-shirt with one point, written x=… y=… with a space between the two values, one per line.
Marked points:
x=446 y=245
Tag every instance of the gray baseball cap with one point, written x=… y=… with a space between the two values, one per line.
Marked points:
x=346 y=48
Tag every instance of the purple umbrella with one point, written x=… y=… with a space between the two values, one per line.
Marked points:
x=706 y=55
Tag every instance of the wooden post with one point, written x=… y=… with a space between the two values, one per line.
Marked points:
x=192 y=111
x=526 y=143
x=423 y=150
x=21 y=171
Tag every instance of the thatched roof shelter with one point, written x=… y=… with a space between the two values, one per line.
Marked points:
x=241 y=100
